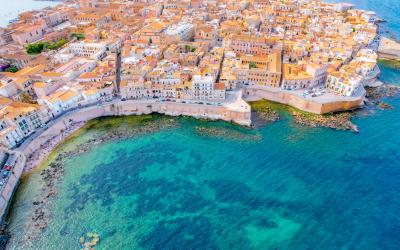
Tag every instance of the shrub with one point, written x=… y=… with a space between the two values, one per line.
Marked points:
x=252 y=65
x=11 y=69
x=37 y=48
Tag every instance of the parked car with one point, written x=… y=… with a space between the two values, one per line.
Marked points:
x=6 y=174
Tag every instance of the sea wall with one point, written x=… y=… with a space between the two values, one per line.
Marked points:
x=312 y=105
x=131 y=107
x=389 y=49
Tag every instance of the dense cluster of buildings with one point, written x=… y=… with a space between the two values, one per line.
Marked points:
x=177 y=51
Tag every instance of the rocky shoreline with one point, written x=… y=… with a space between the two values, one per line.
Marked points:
x=53 y=173
x=267 y=114
x=34 y=159
x=263 y=112
x=266 y=111
x=375 y=94
x=342 y=120
x=338 y=121
x=225 y=133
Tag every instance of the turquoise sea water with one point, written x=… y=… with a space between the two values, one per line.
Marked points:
x=278 y=186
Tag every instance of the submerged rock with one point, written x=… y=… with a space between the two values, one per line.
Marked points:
x=225 y=133
x=374 y=94
x=267 y=114
x=339 y=121
x=89 y=241
x=265 y=110
x=41 y=214
x=383 y=105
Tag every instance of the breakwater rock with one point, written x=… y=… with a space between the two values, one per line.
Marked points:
x=263 y=112
x=266 y=110
x=265 y=115
x=339 y=121
x=225 y=133
x=375 y=94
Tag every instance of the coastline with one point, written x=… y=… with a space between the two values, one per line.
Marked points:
x=54 y=170
x=46 y=155
x=325 y=104
x=44 y=152
x=37 y=149
x=391 y=63
x=44 y=144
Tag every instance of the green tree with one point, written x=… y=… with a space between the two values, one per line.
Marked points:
x=187 y=48
x=252 y=65
x=36 y=48
x=78 y=36
x=57 y=44
x=11 y=69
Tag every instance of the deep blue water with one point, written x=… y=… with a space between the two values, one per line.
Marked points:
x=279 y=186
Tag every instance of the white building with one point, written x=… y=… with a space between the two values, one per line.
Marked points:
x=18 y=121
x=183 y=31
x=95 y=51
x=10 y=137
x=344 y=84
x=205 y=88
x=131 y=90
x=75 y=68
x=8 y=88
x=91 y=50
x=61 y=100
x=317 y=72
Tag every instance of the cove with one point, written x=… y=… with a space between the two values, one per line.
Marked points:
x=213 y=185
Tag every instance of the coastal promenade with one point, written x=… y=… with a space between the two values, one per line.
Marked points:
x=8 y=188
x=233 y=110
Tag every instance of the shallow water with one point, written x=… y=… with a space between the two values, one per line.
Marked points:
x=279 y=186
